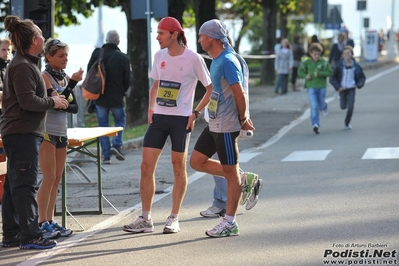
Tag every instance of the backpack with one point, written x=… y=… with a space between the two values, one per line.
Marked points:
x=94 y=83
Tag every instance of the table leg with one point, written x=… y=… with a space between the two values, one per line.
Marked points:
x=100 y=187
x=64 y=207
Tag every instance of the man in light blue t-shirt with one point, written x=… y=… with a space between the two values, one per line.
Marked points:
x=228 y=113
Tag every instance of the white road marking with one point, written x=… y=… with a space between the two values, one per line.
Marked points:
x=301 y=156
x=381 y=153
x=247 y=156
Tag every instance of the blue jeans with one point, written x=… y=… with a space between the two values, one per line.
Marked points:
x=103 y=121
x=220 y=189
x=278 y=83
x=282 y=80
x=347 y=100
x=220 y=192
x=317 y=103
x=19 y=206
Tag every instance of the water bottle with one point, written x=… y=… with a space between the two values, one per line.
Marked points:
x=246 y=134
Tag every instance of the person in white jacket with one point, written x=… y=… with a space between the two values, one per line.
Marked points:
x=283 y=64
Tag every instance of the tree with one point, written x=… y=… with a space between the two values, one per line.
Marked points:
x=244 y=10
x=267 y=34
x=291 y=7
x=268 y=39
x=65 y=11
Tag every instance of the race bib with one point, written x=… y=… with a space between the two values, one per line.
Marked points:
x=168 y=92
x=213 y=105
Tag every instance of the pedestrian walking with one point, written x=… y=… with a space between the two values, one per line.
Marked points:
x=117 y=67
x=298 y=52
x=336 y=51
x=315 y=71
x=347 y=76
x=315 y=39
x=347 y=39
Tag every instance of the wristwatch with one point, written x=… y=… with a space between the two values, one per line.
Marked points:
x=197 y=113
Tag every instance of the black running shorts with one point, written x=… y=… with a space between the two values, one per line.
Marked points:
x=168 y=125
x=225 y=144
x=57 y=141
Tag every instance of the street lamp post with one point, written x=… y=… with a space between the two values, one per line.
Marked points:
x=392 y=45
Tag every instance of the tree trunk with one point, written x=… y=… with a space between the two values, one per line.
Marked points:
x=204 y=11
x=241 y=34
x=283 y=25
x=176 y=9
x=137 y=50
x=269 y=39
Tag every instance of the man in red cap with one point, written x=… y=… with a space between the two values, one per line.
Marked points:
x=175 y=72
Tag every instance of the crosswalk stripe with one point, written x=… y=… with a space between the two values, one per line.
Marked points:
x=381 y=153
x=247 y=156
x=314 y=155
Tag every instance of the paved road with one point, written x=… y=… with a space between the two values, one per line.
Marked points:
x=279 y=231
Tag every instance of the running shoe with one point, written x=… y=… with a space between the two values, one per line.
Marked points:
x=140 y=225
x=117 y=151
x=251 y=202
x=171 y=225
x=39 y=243
x=213 y=212
x=106 y=160
x=9 y=242
x=224 y=228
x=325 y=111
x=316 y=129
x=64 y=231
x=49 y=232
x=248 y=181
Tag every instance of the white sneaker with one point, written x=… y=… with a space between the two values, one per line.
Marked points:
x=223 y=229
x=140 y=225
x=248 y=181
x=325 y=111
x=213 y=212
x=171 y=226
x=253 y=199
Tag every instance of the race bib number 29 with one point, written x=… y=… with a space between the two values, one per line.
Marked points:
x=168 y=92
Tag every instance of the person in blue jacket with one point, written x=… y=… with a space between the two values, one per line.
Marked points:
x=346 y=77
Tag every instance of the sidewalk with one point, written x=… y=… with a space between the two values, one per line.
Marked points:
x=121 y=180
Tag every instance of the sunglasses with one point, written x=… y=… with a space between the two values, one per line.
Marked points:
x=56 y=41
